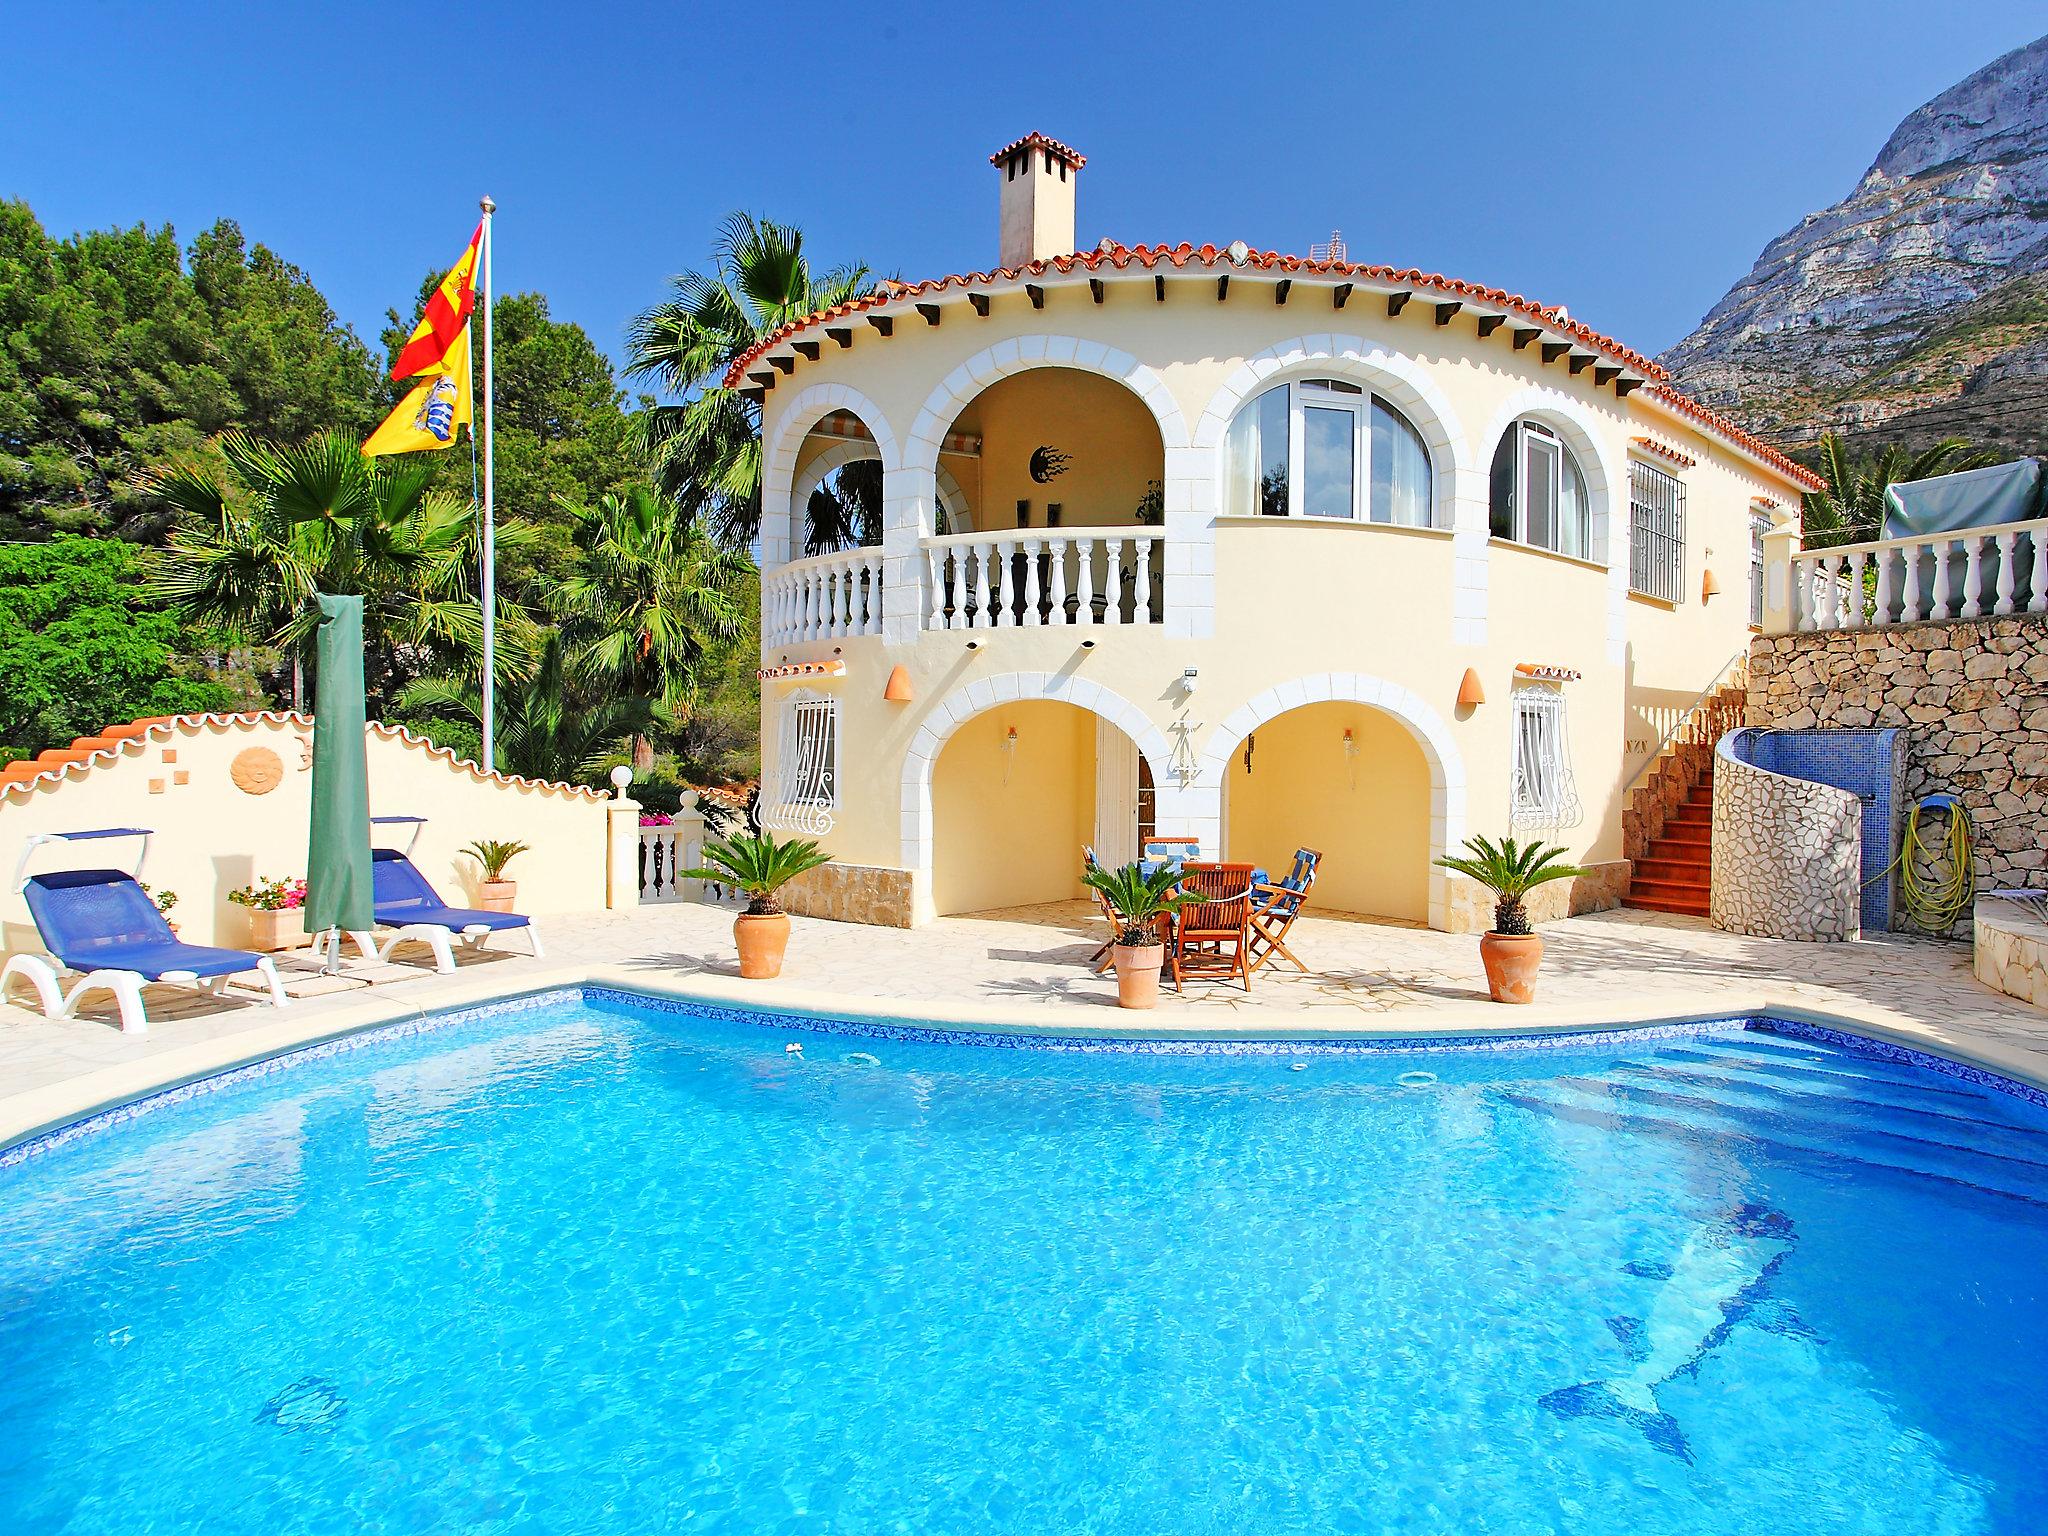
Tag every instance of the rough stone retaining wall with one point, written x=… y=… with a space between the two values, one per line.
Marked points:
x=1787 y=852
x=1972 y=698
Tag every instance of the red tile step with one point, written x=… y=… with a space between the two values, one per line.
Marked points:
x=1676 y=874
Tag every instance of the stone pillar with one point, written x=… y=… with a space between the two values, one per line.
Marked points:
x=1471 y=514
x=908 y=496
x=688 y=826
x=1780 y=544
x=1189 y=502
x=622 y=853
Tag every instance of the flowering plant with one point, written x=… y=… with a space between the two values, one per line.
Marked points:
x=656 y=819
x=165 y=900
x=274 y=895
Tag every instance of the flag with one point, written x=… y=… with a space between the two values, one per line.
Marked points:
x=447 y=315
x=432 y=409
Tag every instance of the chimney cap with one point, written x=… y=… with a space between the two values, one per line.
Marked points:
x=1052 y=147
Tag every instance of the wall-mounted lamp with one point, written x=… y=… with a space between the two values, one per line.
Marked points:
x=1471 y=692
x=1187 y=679
x=898 y=689
x=1009 y=752
x=1708 y=586
x=1351 y=753
x=1087 y=645
x=974 y=645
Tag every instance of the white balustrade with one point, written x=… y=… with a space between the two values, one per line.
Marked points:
x=1935 y=576
x=826 y=597
x=1038 y=579
x=664 y=853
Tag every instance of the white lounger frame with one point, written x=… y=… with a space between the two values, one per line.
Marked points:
x=437 y=937
x=126 y=986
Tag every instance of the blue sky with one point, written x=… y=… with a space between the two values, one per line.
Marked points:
x=1628 y=161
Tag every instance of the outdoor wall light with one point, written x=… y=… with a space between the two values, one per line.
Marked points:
x=1708 y=586
x=1087 y=645
x=1187 y=679
x=974 y=645
x=1471 y=692
x=1009 y=752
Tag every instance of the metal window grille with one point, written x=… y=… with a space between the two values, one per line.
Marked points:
x=806 y=786
x=1758 y=527
x=1544 y=793
x=1656 y=546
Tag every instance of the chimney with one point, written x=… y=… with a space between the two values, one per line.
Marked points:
x=1037 y=200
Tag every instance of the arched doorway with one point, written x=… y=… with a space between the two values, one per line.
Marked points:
x=1017 y=792
x=1349 y=780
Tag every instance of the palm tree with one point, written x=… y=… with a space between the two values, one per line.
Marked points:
x=545 y=728
x=706 y=447
x=1851 y=509
x=254 y=545
x=655 y=595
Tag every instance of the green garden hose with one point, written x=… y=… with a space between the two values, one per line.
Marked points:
x=1935 y=903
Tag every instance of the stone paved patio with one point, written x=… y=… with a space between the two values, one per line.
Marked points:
x=1025 y=968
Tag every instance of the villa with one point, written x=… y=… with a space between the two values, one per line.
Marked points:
x=1263 y=550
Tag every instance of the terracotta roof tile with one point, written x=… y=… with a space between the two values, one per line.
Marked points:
x=1113 y=257
x=1065 y=152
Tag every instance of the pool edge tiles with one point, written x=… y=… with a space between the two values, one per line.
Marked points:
x=1548 y=1036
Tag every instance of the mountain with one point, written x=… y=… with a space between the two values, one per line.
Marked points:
x=1917 y=307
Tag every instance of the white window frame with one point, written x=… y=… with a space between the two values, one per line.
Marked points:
x=806 y=786
x=1304 y=395
x=1656 y=532
x=1520 y=432
x=1542 y=790
x=1759 y=525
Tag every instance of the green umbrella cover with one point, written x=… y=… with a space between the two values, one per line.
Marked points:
x=338 y=856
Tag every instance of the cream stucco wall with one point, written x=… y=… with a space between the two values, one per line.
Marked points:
x=1110 y=440
x=1009 y=824
x=1368 y=813
x=212 y=837
x=1274 y=614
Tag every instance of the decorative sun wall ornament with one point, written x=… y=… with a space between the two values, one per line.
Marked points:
x=1048 y=464
x=256 y=770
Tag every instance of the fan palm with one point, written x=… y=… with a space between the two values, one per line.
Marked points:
x=1511 y=871
x=253 y=545
x=706 y=447
x=1851 y=508
x=758 y=865
x=544 y=729
x=653 y=597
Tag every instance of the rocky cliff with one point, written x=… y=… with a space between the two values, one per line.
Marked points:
x=1915 y=308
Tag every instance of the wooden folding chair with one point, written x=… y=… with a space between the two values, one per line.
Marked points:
x=1275 y=908
x=1212 y=936
x=1182 y=848
x=1101 y=960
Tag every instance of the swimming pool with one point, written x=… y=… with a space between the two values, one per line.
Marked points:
x=592 y=1264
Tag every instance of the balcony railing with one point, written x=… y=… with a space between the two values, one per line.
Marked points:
x=1968 y=574
x=1036 y=580
x=823 y=598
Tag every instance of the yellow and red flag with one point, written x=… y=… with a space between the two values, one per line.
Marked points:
x=432 y=410
x=447 y=315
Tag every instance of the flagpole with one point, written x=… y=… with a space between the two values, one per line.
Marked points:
x=488 y=260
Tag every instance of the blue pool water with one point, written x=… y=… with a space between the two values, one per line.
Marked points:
x=590 y=1267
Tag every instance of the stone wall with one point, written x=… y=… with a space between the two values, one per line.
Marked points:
x=1787 y=852
x=1972 y=699
x=2012 y=951
x=854 y=893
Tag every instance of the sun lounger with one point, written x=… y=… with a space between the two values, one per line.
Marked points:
x=406 y=902
x=101 y=924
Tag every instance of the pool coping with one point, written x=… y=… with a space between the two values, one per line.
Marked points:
x=39 y=1112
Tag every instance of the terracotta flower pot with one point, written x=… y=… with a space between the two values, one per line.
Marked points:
x=271 y=932
x=1511 y=960
x=1137 y=974
x=762 y=940
x=497 y=895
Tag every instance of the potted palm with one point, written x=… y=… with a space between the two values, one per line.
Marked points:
x=1139 y=900
x=757 y=864
x=494 y=893
x=1511 y=953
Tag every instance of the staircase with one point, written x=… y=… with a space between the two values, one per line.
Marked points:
x=1674 y=873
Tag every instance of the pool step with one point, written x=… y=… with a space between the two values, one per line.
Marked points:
x=1845 y=1138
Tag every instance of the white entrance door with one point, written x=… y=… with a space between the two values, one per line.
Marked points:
x=1116 y=796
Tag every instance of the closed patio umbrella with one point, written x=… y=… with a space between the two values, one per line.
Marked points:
x=338 y=897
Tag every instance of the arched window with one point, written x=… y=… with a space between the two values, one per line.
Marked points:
x=1326 y=448
x=1539 y=495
